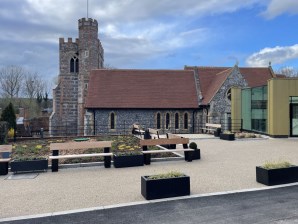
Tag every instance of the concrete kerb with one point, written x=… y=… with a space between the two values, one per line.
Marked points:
x=143 y=202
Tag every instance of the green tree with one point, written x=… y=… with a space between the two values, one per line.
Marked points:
x=9 y=116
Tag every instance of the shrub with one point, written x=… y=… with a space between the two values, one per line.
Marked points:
x=166 y=175
x=193 y=145
x=9 y=115
x=10 y=133
x=276 y=165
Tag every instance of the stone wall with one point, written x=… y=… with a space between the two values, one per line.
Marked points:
x=124 y=119
x=220 y=105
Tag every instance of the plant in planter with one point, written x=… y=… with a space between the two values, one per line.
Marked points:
x=172 y=184
x=274 y=173
x=28 y=159
x=196 y=153
x=227 y=135
x=128 y=158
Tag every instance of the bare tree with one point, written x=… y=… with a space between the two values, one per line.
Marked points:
x=11 y=79
x=33 y=85
x=288 y=71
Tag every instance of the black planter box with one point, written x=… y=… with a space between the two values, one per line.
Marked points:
x=3 y=168
x=128 y=161
x=229 y=137
x=165 y=188
x=29 y=165
x=196 y=154
x=277 y=176
x=217 y=132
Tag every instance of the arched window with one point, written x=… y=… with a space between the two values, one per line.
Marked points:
x=72 y=65
x=186 y=121
x=77 y=65
x=167 y=120
x=158 y=121
x=176 y=121
x=112 y=121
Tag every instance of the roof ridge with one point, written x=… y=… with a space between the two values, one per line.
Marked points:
x=224 y=71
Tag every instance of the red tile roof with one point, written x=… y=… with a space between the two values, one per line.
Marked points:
x=125 y=88
x=256 y=76
x=212 y=78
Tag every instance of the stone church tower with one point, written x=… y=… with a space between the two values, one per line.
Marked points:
x=76 y=60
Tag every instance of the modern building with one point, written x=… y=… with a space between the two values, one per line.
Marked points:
x=271 y=109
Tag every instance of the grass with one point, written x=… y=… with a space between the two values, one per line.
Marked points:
x=276 y=165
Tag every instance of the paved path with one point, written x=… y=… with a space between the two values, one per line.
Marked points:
x=273 y=206
x=225 y=166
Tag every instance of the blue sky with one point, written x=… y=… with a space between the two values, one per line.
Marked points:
x=166 y=34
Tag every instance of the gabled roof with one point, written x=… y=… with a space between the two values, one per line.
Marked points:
x=156 y=89
x=256 y=76
x=212 y=78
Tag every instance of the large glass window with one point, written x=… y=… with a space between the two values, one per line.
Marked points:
x=254 y=109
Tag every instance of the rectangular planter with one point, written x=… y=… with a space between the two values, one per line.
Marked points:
x=29 y=165
x=196 y=154
x=165 y=188
x=277 y=176
x=128 y=161
x=3 y=168
x=229 y=137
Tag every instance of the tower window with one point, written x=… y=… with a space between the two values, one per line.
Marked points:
x=74 y=65
x=176 y=121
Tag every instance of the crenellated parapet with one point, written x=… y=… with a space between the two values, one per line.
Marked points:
x=88 y=22
x=69 y=41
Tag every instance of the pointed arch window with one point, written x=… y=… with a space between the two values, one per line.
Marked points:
x=112 y=120
x=185 y=120
x=74 y=65
x=167 y=120
x=158 y=120
x=176 y=121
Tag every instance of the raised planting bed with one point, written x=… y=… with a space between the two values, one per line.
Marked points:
x=29 y=165
x=228 y=137
x=277 y=176
x=121 y=160
x=165 y=187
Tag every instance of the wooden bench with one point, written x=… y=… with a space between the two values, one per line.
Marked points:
x=172 y=136
x=136 y=129
x=164 y=141
x=154 y=133
x=211 y=127
x=5 y=157
x=56 y=147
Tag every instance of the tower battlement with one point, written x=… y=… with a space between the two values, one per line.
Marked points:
x=69 y=40
x=87 y=22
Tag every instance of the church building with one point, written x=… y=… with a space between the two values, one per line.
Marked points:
x=90 y=100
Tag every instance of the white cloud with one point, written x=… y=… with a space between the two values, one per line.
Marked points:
x=276 y=55
x=278 y=7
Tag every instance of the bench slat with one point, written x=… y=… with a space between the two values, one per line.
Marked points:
x=80 y=155
x=164 y=141
x=5 y=148
x=161 y=151
x=5 y=160
x=79 y=145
